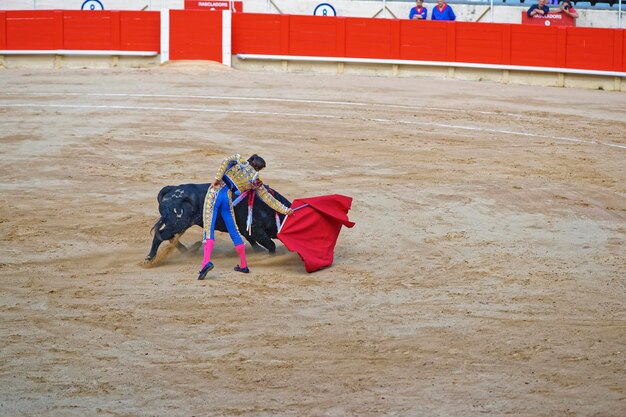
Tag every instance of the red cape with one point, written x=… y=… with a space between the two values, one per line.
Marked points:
x=314 y=228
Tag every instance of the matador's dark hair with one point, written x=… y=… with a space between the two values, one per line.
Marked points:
x=256 y=160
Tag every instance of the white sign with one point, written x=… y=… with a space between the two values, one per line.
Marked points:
x=92 y=5
x=324 y=9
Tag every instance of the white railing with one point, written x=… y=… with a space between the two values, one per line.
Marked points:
x=274 y=6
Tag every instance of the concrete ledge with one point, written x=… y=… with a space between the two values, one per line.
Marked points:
x=52 y=60
x=554 y=77
x=76 y=52
x=422 y=71
x=426 y=63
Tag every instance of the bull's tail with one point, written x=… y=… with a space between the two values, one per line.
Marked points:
x=162 y=221
x=157 y=227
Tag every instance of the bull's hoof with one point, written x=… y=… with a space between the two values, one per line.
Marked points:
x=243 y=270
x=148 y=262
x=258 y=248
x=205 y=270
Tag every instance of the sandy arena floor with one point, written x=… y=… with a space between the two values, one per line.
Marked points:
x=485 y=274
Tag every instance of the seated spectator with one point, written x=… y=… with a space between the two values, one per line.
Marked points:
x=539 y=9
x=567 y=8
x=418 y=12
x=443 y=12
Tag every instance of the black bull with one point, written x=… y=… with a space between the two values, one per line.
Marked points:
x=181 y=207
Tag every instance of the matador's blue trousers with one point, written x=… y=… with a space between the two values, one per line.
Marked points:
x=220 y=202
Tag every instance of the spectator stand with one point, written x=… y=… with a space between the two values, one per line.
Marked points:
x=596 y=13
x=603 y=4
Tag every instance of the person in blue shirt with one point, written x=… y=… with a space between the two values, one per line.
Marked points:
x=418 y=12
x=538 y=9
x=442 y=11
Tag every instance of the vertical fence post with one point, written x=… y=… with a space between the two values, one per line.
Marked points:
x=227 y=32
x=165 y=35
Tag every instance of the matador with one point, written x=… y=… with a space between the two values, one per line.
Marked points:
x=235 y=176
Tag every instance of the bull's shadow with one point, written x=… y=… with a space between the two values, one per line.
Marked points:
x=181 y=208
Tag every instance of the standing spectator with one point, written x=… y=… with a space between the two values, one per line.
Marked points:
x=567 y=8
x=538 y=9
x=443 y=12
x=418 y=12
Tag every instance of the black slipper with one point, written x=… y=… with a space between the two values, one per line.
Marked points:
x=243 y=270
x=205 y=270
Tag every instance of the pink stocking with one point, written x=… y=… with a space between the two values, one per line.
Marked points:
x=241 y=250
x=208 y=248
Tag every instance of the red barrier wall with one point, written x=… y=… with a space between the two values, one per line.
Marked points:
x=260 y=36
x=621 y=43
x=372 y=38
x=80 y=30
x=428 y=42
x=198 y=35
x=581 y=56
x=482 y=43
x=304 y=28
x=3 y=30
x=33 y=29
x=91 y=31
x=534 y=46
x=195 y=34
x=140 y=31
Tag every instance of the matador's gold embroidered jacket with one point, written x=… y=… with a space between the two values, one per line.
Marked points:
x=239 y=176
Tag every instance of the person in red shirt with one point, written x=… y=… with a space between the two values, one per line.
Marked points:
x=567 y=8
